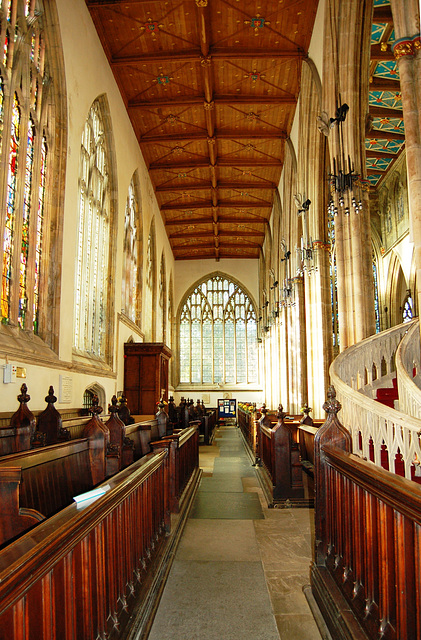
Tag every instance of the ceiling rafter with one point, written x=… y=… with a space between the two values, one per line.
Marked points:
x=209 y=234
x=221 y=220
x=234 y=135
x=221 y=203
x=238 y=186
x=374 y=134
x=184 y=101
x=196 y=55
x=221 y=162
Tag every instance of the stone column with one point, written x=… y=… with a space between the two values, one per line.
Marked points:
x=407 y=51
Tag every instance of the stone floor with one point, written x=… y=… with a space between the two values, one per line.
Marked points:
x=240 y=567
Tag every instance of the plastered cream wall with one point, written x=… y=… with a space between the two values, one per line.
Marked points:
x=88 y=76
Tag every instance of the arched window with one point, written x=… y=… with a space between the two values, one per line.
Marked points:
x=150 y=280
x=132 y=258
x=376 y=295
x=218 y=334
x=333 y=283
x=407 y=309
x=24 y=129
x=162 y=302
x=91 y=290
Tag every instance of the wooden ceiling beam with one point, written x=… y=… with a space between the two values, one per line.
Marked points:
x=220 y=203
x=385 y=112
x=383 y=84
x=380 y=154
x=221 y=234
x=196 y=55
x=184 y=101
x=221 y=162
x=243 y=245
x=377 y=53
x=252 y=220
x=374 y=134
x=382 y=14
x=218 y=255
x=200 y=186
x=235 y=135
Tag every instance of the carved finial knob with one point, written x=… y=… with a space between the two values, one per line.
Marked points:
x=95 y=409
x=51 y=398
x=23 y=397
x=112 y=408
x=280 y=413
x=332 y=406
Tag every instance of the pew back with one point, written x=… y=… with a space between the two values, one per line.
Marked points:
x=76 y=574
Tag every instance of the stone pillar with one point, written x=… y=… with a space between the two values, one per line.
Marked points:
x=407 y=51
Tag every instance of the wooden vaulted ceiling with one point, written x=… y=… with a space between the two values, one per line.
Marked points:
x=211 y=88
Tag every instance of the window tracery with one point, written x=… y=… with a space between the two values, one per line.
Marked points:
x=218 y=335
x=131 y=294
x=91 y=290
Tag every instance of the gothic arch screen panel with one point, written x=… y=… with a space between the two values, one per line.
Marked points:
x=218 y=335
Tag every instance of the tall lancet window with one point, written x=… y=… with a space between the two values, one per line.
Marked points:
x=218 y=334
x=92 y=270
x=131 y=281
x=149 y=293
x=162 y=303
x=24 y=130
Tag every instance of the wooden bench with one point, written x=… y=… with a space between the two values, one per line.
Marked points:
x=80 y=573
x=280 y=457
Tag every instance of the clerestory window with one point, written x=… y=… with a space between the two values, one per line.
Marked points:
x=218 y=335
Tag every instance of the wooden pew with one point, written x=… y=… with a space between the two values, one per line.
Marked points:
x=279 y=454
x=183 y=451
x=77 y=575
x=208 y=425
x=366 y=576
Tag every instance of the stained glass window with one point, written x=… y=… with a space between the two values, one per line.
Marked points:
x=24 y=150
x=407 y=312
x=376 y=296
x=218 y=335
x=40 y=221
x=131 y=295
x=333 y=282
x=91 y=286
x=10 y=210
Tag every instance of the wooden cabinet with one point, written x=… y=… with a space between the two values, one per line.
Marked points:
x=145 y=375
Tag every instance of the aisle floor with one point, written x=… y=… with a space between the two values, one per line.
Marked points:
x=240 y=567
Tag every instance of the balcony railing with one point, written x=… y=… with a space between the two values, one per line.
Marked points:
x=408 y=369
x=389 y=438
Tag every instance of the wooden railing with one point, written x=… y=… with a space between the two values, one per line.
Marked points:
x=76 y=575
x=408 y=370
x=366 y=577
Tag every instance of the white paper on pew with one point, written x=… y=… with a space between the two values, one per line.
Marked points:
x=84 y=499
